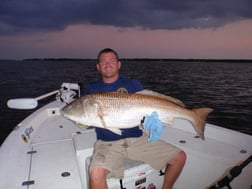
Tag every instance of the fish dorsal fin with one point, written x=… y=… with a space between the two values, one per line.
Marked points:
x=159 y=95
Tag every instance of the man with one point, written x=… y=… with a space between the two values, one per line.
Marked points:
x=111 y=149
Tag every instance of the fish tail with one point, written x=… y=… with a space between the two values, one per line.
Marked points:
x=200 y=120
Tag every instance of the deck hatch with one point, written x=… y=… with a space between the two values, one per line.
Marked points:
x=55 y=165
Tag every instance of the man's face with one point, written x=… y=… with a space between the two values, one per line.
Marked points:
x=108 y=65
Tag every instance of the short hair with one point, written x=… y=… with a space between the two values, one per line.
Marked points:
x=107 y=50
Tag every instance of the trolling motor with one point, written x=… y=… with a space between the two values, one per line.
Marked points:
x=66 y=94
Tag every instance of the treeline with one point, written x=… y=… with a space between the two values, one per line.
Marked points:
x=148 y=60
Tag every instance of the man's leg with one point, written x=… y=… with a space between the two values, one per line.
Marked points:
x=97 y=178
x=107 y=160
x=173 y=170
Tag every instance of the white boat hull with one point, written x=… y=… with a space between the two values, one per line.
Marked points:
x=48 y=151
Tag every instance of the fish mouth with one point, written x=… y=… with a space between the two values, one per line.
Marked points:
x=63 y=112
x=73 y=108
x=67 y=115
x=67 y=111
x=72 y=111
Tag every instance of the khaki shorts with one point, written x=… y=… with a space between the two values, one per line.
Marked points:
x=112 y=155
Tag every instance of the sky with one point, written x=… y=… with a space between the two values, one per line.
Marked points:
x=219 y=29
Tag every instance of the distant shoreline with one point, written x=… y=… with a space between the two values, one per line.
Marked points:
x=139 y=59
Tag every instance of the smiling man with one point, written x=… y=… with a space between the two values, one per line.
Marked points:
x=111 y=149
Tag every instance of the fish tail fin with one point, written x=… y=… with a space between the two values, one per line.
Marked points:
x=200 y=120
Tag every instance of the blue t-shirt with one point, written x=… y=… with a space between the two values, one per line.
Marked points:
x=121 y=85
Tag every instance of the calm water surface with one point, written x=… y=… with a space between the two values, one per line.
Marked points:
x=226 y=87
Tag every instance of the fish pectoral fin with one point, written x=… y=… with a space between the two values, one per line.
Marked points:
x=100 y=115
x=115 y=130
x=169 y=121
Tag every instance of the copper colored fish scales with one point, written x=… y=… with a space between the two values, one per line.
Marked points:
x=113 y=111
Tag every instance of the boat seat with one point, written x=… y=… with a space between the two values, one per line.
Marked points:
x=136 y=173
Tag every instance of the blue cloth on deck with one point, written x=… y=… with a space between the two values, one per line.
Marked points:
x=154 y=125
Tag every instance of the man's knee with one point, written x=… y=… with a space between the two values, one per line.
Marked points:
x=97 y=178
x=98 y=173
x=182 y=157
x=179 y=159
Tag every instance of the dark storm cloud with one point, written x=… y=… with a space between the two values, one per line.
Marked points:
x=37 y=15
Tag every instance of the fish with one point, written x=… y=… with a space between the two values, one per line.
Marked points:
x=114 y=111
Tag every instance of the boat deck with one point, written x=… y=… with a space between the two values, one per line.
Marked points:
x=54 y=153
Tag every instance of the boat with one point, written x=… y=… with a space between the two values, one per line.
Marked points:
x=48 y=151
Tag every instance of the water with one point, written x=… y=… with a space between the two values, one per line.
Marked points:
x=226 y=87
